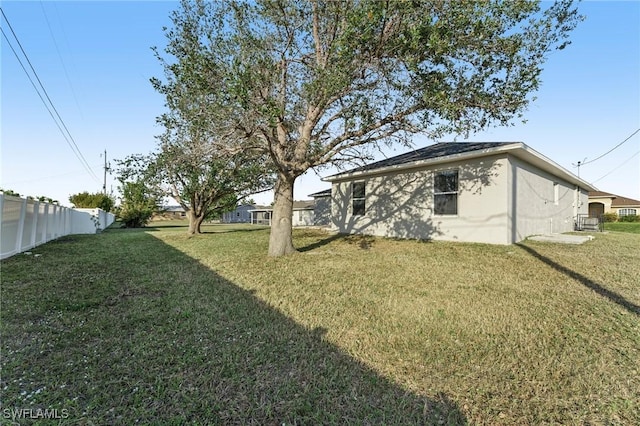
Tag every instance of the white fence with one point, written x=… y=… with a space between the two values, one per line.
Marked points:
x=26 y=224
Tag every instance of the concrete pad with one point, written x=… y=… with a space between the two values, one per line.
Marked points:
x=562 y=238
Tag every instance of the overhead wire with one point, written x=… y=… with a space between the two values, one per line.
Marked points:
x=64 y=67
x=616 y=168
x=611 y=150
x=59 y=121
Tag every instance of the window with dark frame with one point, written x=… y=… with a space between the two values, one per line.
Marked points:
x=445 y=192
x=358 y=198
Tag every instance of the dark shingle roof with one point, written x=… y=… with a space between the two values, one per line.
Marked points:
x=441 y=149
x=325 y=193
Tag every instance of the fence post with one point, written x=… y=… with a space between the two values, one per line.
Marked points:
x=46 y=223
x=23 y=214
x=36 y=213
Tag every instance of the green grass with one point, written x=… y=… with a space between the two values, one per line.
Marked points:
x=632 y=227
x=156 y=327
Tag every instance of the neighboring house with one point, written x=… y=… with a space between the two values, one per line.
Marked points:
x=241 y=214
x=603 y=202
x=490 y=192
x=170 y=212
x=322 y=207
x=261 y=215
x=302 y=214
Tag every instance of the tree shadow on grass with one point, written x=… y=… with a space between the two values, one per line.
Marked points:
x=598 y=288
x=155 y=337
x=320 y=243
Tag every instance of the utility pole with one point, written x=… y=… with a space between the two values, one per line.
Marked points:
x=578 y=164
x=106 y=168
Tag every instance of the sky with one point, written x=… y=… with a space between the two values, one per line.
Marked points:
x=94 y=60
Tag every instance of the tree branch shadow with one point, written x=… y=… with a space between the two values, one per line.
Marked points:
x=598 y=288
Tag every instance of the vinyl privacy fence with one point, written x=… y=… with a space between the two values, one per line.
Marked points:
x=26 y=223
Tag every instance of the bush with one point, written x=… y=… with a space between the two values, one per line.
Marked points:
x=610 y=217
x=134 y=216
x=629 y=218
x=138 y=205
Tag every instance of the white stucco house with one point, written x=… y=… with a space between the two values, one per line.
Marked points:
x=302 y=215
x=487 y=192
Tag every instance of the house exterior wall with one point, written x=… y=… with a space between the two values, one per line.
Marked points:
x=616 y=210
x=239 y=215
x=401 y=204
x=540 y=203
x=501 y=200
x=322 y=211
x=302 y=218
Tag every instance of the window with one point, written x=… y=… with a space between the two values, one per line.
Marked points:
x=556 y=193
x=627 y=212
x=445 y=192
x=358 y=198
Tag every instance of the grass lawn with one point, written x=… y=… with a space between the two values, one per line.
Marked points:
x=632 y=227
x=154 y=327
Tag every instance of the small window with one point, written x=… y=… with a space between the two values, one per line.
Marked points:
x=238 y=214
x=358 y=198
x=556 y=193
x=445 y=192
x=627 y=212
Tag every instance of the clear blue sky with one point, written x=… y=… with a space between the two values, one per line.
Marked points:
x=95 y=60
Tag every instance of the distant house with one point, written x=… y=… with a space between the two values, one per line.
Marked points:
x=302 y=214
x=170 y=212
x=489 y=192
x=604 y=202
x=241 y=214
x=261 y=215
x=322 y=207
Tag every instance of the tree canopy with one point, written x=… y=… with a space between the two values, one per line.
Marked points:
x=323 y=82
x=92 y=201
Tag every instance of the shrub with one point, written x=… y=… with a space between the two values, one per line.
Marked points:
x=138 y=205
x=610 y=217
x=629 y=218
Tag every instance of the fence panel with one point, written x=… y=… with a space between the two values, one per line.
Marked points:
x=25 y=223
x=11 y=207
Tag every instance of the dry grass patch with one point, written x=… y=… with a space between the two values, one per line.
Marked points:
x=351 y=329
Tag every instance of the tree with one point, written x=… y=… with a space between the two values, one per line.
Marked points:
x=205 y=174
x=85 y=200
x=137 y=206
x=140 y=200
x=204 y=182
x=324 y=82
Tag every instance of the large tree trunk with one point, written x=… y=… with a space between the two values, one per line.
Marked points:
x=281 y=238
x=194 y=222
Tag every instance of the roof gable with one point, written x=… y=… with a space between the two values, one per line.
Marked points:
x=441 y=149
x=616 y=200
x=445 y=152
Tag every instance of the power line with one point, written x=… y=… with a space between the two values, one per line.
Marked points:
x=595 y=159
x=55 y=43
x=625 y=162
x=49 y=177
x=59 y=121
